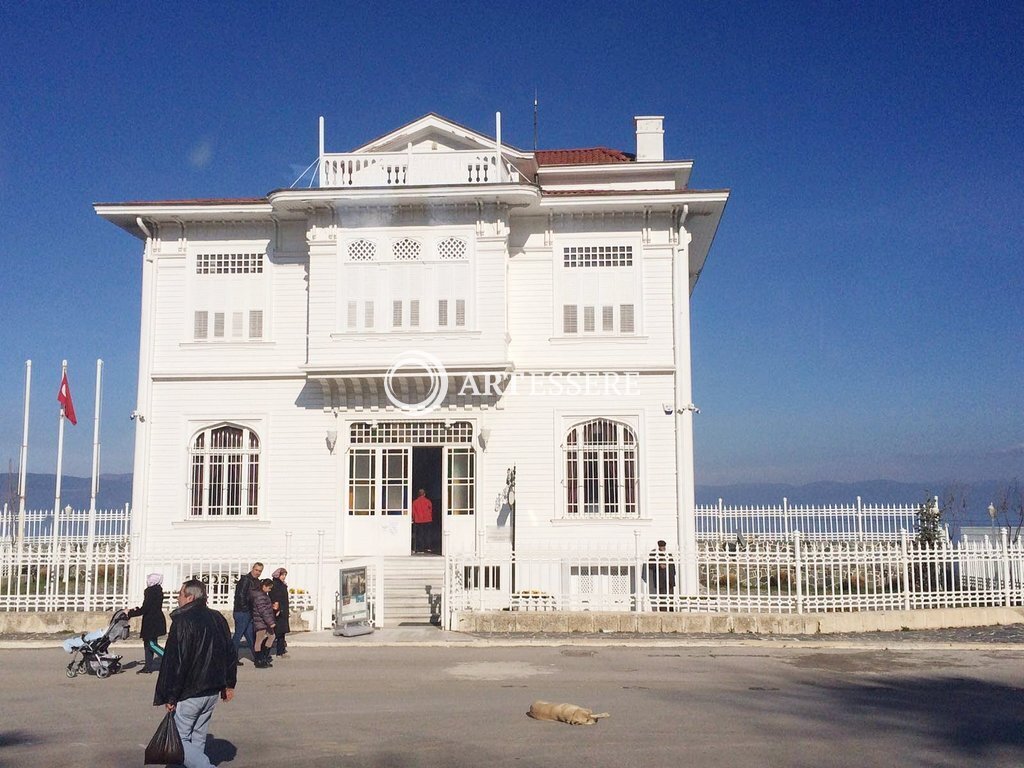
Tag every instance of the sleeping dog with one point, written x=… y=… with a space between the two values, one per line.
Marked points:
x=564 y=713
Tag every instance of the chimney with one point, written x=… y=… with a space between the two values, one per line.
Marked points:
x=650 y=138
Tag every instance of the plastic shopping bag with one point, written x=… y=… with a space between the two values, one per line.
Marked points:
x=165 y=746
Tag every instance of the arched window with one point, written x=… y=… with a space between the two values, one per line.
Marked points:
x=224 y=472
x=452 y=249
x=601 y=473
x=362 y=250
x=406 y=249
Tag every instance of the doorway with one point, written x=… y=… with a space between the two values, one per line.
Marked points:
x=427 y=474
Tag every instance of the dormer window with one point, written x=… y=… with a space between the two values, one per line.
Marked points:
x=599 y=287
x=414 y=280
x=227 y=295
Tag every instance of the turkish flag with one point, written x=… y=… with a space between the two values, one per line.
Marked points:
x=64 y=398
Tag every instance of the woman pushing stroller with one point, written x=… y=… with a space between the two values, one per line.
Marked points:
x=154 y=625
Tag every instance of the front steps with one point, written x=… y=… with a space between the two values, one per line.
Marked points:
x=412 y=590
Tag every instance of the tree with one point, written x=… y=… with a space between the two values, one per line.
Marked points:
x=1009 y=507
x=929 y=522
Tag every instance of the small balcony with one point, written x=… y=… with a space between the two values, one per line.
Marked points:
x=405 y=169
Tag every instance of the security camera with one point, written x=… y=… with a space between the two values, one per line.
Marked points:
x=668 y=409
x=136 y=415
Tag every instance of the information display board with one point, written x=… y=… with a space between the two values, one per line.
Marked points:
x=353 y=597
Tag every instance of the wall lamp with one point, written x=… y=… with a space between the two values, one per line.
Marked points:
x=670 y=409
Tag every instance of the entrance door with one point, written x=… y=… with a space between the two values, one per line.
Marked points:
x=426 y=475
x=378 y=516
x=460 y=497
x=387 y=463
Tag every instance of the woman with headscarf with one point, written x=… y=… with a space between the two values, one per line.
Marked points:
x=279 y=597
x=154 y=625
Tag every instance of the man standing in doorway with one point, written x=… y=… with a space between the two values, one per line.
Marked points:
x=242 y=611
x=197 y=668
x=422 y=517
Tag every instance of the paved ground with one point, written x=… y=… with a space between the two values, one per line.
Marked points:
x=965 y=638
x=464 y=706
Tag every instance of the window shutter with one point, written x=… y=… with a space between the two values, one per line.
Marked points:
x=442 y=313
x=460 y=312
x=218 y=325
x=368 y=315
x=396 y=314
x=607 y=318
x=588 y=320
x=236 y=324
x=414 y=313
x=352 y=314
x=200 y=328
x=255 y=323
x=626 y=324
x=570 y=320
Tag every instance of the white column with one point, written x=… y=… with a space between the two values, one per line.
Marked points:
x=497 y=147
x=140 y=481
x=685 y=502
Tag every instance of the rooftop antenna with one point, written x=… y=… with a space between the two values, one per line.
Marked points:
x=534 y=119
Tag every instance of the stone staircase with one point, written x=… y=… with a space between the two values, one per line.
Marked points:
x=412 y=590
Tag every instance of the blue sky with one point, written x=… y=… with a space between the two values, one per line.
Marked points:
x=860 y=315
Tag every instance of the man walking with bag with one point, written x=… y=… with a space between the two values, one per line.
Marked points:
x=242 y=612
x=197 y=668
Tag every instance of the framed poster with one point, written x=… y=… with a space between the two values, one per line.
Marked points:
x=353 y=596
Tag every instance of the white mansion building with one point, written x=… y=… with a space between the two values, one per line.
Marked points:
x=440 y=309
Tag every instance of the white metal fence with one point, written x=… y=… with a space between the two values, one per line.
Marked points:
x=74 y=576
x=794 y=576
x=834 y=522
x=852 y=559
x=69 y=525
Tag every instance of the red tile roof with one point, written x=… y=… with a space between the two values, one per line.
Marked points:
x=589 y=156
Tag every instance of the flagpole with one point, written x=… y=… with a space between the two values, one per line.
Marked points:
x=91 y=541
x=60 y=460
x=96 y=443
x=23 y=461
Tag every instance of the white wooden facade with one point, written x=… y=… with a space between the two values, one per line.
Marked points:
x=269 y=326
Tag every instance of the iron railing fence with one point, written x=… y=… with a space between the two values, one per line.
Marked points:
x=74 y=576
x=72 y=525
x=831 y=522
x=857 y=521
x=794 y=576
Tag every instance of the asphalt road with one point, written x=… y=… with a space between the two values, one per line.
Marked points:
x=432 y=707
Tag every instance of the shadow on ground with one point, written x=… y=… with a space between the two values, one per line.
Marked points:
x=220 y=750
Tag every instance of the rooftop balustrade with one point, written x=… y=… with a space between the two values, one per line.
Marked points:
x=402 y=169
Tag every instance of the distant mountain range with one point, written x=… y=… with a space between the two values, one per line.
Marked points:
x=116 y=491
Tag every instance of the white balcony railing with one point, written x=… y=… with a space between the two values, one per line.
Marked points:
x=401 y=169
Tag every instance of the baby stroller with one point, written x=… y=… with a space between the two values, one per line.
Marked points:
x=89 y=651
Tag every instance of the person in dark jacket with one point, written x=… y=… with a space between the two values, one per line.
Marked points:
x=264 y=620
x=279 y=599
x=198 y=667
x=154 y=625
x=242 y=611
x=660 y=575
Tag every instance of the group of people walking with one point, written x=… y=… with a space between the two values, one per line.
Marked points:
x=200 y=659
x=261 y=615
